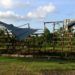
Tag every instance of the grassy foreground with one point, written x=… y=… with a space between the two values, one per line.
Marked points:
x=29 y=66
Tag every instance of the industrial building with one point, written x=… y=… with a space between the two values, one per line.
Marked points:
x=23 y=40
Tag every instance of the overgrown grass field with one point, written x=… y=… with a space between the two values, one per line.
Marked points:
x=30 y=66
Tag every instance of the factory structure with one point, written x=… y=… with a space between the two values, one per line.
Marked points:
x=19 y=39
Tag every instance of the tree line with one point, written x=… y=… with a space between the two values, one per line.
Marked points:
x=9 y=44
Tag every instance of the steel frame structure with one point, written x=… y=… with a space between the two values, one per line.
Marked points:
x=27 y=49
x=69 y=36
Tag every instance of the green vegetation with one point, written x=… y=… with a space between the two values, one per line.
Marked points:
x=30 y=66
x=58 y=40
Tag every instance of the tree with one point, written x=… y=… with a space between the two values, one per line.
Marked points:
x=46 y=34
x=48 y=37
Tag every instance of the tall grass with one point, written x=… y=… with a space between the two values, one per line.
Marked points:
x=30 y=66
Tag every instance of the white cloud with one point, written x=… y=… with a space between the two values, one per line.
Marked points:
x=6 y=3
x=9 y=15
x=42 y=11
x=9 y=4
x=39 y=13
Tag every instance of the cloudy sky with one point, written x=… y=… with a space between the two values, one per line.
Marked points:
x=35 y=12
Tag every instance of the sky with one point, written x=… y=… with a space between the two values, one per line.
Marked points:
x=35 y=12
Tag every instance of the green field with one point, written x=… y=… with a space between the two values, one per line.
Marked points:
x=30 y=66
